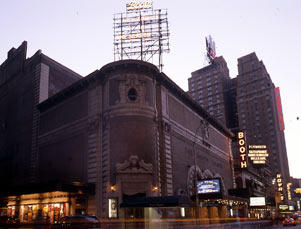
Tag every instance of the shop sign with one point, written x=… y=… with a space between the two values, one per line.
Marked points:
x=242 y=149
x=258 y=154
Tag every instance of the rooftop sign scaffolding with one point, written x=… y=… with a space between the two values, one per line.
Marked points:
x=141 y=33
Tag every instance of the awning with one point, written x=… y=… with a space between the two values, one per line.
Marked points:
x=157 y=201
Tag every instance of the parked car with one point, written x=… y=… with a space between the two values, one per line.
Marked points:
x=289 y=222
x=82 y=220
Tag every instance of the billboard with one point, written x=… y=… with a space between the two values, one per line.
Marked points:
x=209 y=186
x=257 y=201
x=141 y=33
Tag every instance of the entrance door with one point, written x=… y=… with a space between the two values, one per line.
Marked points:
x=134 y=216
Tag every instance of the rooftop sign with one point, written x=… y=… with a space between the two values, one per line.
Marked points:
x=141 y=33
x=139 y=5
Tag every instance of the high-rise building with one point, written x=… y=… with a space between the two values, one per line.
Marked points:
x=260 y=113
x=250 y=103
x=208 y=85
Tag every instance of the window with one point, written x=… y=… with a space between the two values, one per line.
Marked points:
x=132 y=94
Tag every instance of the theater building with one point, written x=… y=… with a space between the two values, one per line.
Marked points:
x=123 y=142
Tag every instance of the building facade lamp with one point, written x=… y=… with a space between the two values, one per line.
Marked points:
x=113 y=188
x=155 y=188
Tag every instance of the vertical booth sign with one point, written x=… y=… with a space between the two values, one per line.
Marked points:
x=242 y=149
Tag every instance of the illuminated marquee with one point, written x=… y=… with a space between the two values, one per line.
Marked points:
x=139 y=5
x=279 y=108
x=242 y=150
x=258 y=154
x=209 y=186
x=280 y=185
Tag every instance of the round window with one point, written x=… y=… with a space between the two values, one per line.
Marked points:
x=132 y=94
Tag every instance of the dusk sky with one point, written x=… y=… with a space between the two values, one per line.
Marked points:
x=79 y=35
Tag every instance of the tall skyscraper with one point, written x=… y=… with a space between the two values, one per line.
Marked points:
x=249 y=103
x=259 y=112
x=207 y=86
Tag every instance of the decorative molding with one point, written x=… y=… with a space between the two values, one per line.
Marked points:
x=207 y=174
x=133 y=165
x=132 y=81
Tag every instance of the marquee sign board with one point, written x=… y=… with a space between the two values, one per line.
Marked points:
x=257 y=201
x=141 y=33
x=209 y=186
x=258 y=154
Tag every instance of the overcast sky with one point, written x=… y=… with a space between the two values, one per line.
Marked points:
x=79 y=35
